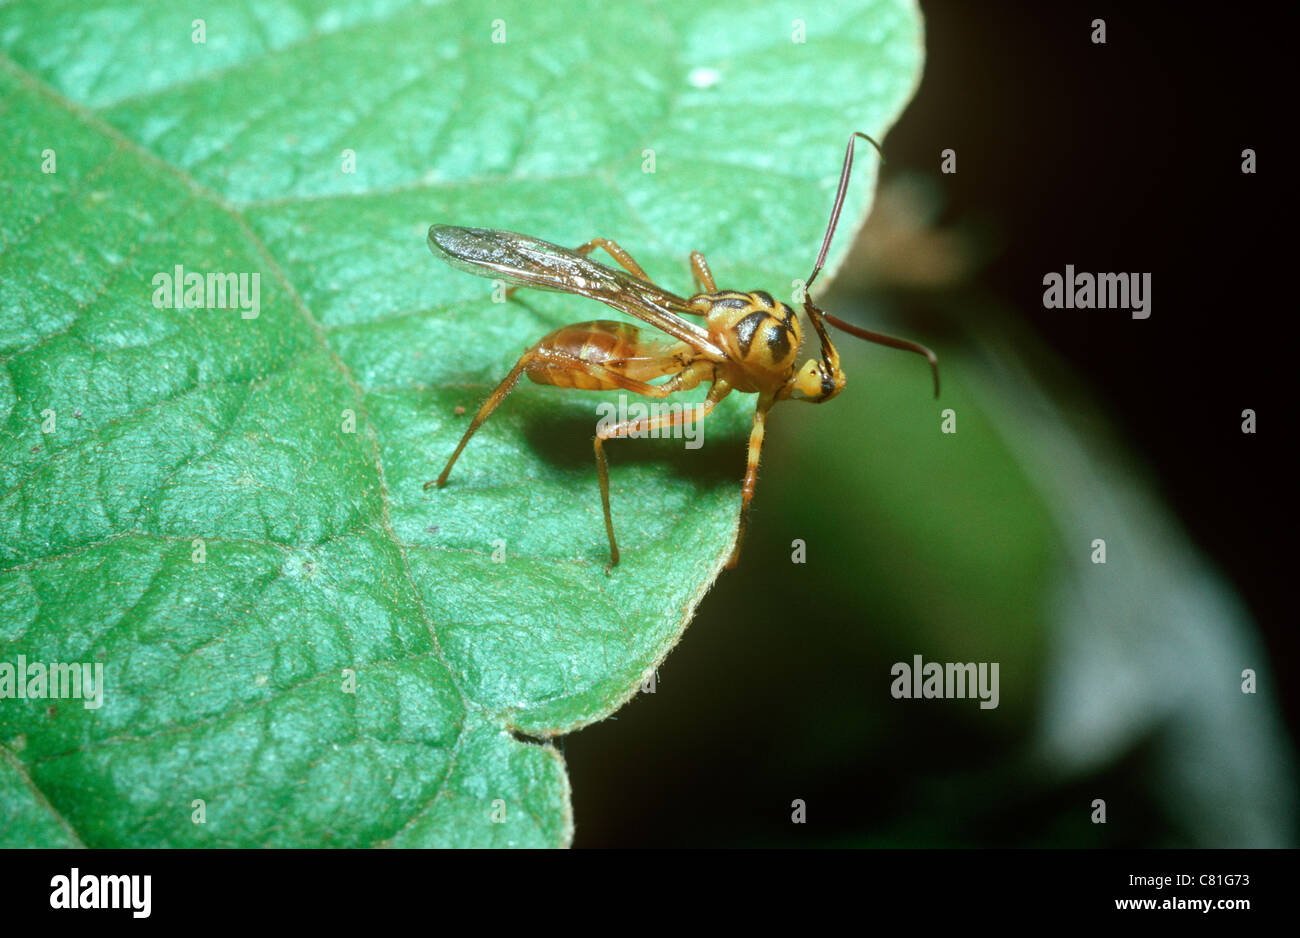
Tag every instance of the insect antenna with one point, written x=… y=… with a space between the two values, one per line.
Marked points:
x=892 y=341
x=839 y=203
x=816 y=315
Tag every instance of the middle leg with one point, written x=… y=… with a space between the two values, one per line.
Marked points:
x=614 y=250
x=703 y=276
x=716 y=393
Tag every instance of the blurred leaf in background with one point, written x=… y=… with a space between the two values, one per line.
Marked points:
x=1119 y=681
x=226 y=511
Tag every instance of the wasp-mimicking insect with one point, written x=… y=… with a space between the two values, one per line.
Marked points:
x=748 y=342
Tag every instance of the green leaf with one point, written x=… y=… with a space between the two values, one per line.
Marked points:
x=287 y=452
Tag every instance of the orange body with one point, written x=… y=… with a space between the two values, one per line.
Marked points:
x=614 y=349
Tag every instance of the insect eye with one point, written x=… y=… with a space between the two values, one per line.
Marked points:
x=828 y=383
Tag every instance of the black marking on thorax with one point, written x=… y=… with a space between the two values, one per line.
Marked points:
x=780 y=334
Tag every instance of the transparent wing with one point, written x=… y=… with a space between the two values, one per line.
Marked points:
x=530 y=262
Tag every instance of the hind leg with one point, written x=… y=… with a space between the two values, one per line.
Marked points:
x=535 y=353
x=485 y=411
x=552 y=366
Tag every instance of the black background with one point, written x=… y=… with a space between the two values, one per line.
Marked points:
x=1117 y=157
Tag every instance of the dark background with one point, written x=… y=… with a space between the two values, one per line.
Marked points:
x=1115 y=157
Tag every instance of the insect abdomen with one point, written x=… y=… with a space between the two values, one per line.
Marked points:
x=602 y=342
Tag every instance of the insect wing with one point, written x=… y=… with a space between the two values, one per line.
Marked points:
x=530 y=262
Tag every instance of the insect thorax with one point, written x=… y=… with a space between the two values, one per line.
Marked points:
x=758 y=332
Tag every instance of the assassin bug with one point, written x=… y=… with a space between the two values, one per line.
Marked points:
x=748 y=341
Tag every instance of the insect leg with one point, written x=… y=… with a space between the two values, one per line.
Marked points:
x=616 y=252
x=613 y=250
x=495 y=398
x=751 y=477
x=703 y=276
x=716 y=393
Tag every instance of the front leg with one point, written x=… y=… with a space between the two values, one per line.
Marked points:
x=751 y=477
